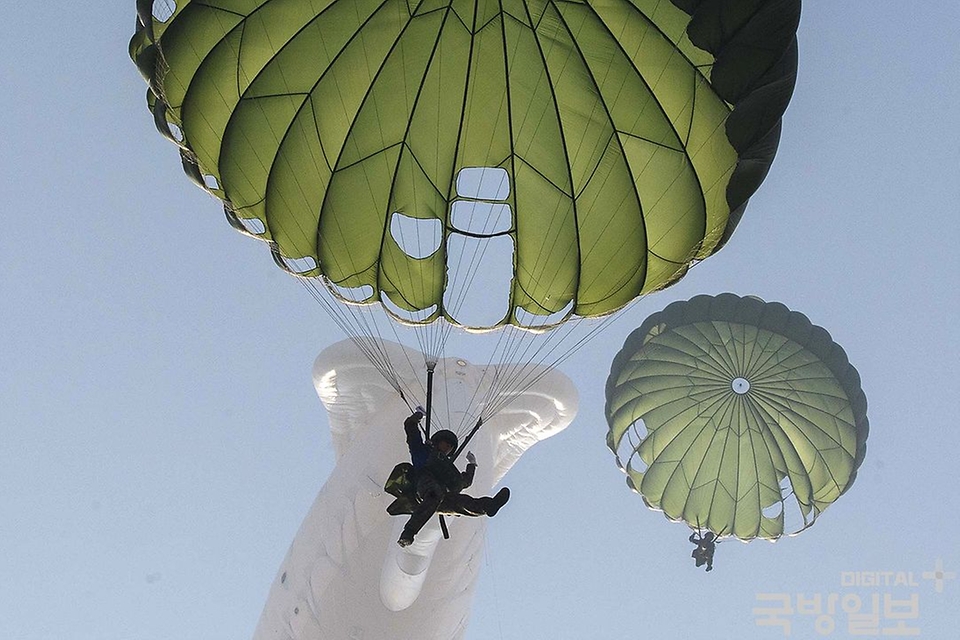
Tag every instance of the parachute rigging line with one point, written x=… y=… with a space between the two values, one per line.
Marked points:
x=520 y=357
x=430 y=371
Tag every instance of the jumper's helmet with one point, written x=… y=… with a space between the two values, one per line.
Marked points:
x=445 y=435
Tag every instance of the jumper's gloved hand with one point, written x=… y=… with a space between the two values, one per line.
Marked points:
x=471 y=459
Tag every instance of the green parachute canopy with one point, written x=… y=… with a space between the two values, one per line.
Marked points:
x=600 y=147
x=736 y=415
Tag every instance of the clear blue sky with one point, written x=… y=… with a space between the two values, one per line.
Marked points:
x=160 y=439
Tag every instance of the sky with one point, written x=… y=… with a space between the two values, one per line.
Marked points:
x=160 y=439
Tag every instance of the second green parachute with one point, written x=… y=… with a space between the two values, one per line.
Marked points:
x=737 y=416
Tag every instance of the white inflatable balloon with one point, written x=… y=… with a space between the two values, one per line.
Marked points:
x=344 y=576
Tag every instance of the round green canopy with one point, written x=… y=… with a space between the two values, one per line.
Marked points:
x=736 y=415
x=605 y=145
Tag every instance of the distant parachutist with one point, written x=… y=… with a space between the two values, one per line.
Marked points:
x=706 y=546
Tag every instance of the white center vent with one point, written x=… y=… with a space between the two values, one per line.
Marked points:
x=480 y=249
x=483 y=183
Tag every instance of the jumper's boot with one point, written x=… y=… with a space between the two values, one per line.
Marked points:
x=493 y=504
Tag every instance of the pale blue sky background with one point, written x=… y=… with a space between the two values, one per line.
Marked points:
x=160 y=439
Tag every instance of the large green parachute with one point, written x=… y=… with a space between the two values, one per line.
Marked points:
x=601 y=146
x=736 y=415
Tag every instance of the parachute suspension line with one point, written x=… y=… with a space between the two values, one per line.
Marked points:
x=520 y=358
x=501 y=361
x=361 y=326
x=342 y=319
x=504 y=374
x=464 y=271
x=434 y=340
x=513 y=377
x=516 y=369
x=511 y=341
x=366 y=335
x=429 y=407
x=468 y=438
x=555 y=349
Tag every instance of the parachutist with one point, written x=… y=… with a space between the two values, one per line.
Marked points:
x=734 y=462
x=706 y=546
x=432 y=482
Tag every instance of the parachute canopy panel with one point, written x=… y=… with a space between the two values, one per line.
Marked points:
x=622 y=137
x=736 y=415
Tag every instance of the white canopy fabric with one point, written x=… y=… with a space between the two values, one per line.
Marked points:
x=344 y=575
